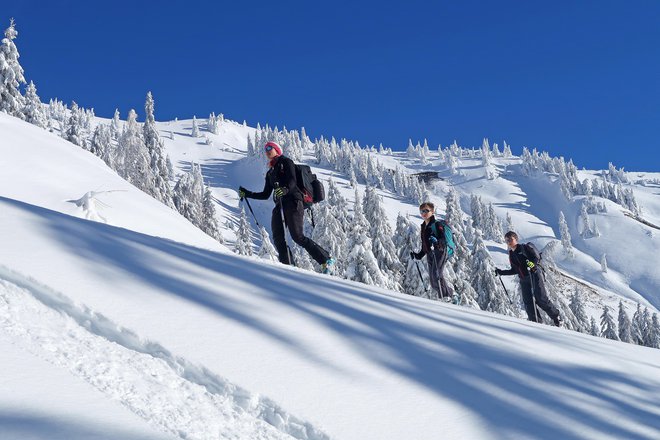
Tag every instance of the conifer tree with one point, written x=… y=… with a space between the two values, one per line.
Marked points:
x=329 y=233
x=607 y=325
x=362 y=265
x=160 y=188
x=208 y=222
x=603 y=263
x=132 y=159
x=115 y=129
x=243 y=245
x=74 y=131
x=407 y=239
x=565 y=234
x=34 y=110
x=653 y=339
x=212 y=124
x=101 y=142
x=381 y=238
x=638 y=326
x=593 y=327
x=577 y=307
x=195 y=130
x=625 y=326
x=267 y=250
x=11 y=75
x=490 y=294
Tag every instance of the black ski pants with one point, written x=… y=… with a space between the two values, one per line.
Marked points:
x=533 y=290
x=436 y=260
x=294 y=213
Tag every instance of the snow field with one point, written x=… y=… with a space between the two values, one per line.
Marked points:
x=169 y=393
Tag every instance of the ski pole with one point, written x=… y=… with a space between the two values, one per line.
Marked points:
x=531 y=279
x=419 y=271
x=250 y=208
x=286 y=228
x=505 y=291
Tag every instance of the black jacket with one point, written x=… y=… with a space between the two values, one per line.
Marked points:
x=426 y=232
x=282 y=174
x=518 y=258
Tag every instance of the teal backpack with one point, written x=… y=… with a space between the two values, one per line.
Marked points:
x=449 y=236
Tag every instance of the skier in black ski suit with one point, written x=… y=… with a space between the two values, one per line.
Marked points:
x=525 y=263
x=281 y=179
x=435 y=248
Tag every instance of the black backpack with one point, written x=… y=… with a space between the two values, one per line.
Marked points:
x=531 y=252
x=310 y=186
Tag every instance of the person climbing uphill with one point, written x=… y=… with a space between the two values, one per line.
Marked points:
x=288 y=210
x=435 y=247
x=525 y=259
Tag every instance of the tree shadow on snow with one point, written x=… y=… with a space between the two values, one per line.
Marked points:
x=449 y=351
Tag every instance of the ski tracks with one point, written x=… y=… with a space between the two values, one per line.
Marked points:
x=168 y=392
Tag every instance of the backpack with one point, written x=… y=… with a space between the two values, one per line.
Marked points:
x=531 y=252
x=310 y=186
x=449 y=236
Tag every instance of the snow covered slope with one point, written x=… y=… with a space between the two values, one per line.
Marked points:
x=185 y=339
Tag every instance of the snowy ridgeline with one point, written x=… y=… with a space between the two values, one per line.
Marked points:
x=359 y=235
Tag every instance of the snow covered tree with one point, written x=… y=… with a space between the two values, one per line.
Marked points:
x=381 y=238
x=490 y=294
x=11 y=75
x=243 y=245
x=362 y=265
x=75 y=131
x=625 y=326
x=607 y=325
x=509 y=222
x=653 y=338
x=101 y=142
x=34 y=110
x=407 y=239
x=565 y=234
x=329 y=233
x=115 y=127
x=132 y=159
x=593 y=327
x=577 y=307
x=160 y=187
x=267 y=250
x=195 y=130
x=208 y=222
x=212 y=124
x=603 y=263
x=506 y=153
x=638 y=327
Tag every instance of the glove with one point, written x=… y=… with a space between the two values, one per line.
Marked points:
x=281 y=191
x=498 y=272
x=242 y=192
x=433 y=240
x=531 y=266
x=413 y=255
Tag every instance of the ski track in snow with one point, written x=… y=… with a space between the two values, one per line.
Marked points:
x=168 y=392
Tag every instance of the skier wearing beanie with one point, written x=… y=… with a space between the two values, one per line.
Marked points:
x=281 y=180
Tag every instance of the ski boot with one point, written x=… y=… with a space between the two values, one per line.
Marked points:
x=328 y=267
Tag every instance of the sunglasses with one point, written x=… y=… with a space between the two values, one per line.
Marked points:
x=508 y=240
x=424 y=211
x=268 y=148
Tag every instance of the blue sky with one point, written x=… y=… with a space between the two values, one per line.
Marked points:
x=576 y=78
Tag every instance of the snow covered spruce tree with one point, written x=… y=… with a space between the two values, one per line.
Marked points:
x=577 y=308
x=381 y=238
x=607 y=325
x=34 y=110
x=193 y=200
x=490 y=294
x=243 y=245
x=11 y=75
x=75 y=131
x=638 y=327
x=212 y=124
x=100 y=145
x=132 y=158
x=329 y=233
x=115 y=125
x=362 y=265
x=565 y=235
x=407 y=239
x=461 y=262
x=593 y=327
x=266 y=250
x=160 y=187
x=625 y=326
x=195 y=128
